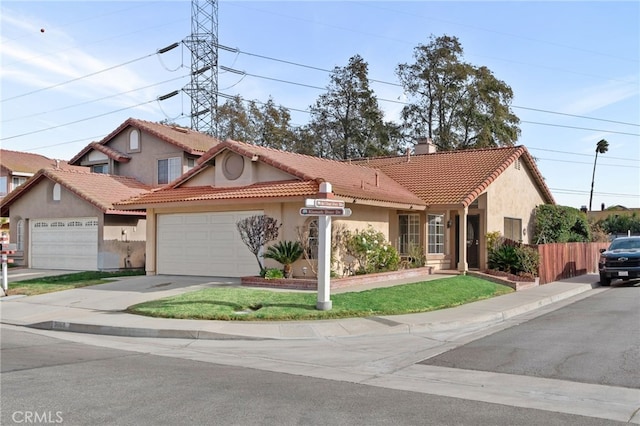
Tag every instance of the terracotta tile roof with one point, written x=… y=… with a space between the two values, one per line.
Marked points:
x=348 y=180
x=455 y=177
x=205 y=193
x=25 y=162
x=114 y=154
x=101 y=190
x=195 y=143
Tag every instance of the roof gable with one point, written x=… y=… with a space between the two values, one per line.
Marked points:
x=190 y=141
x=101 y=190
x=456 y=177
x=348 y=180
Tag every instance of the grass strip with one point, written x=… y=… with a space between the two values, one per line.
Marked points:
x=246 y=304
x=35 y=286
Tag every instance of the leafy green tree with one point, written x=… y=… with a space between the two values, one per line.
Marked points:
x=233 y=121
x=260 y=124
x=346 y=121
x=601 y=147
x=620 y=224
x=560 y=224
x=452 y=102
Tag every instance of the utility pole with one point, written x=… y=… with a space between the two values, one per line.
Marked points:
x=203 y=88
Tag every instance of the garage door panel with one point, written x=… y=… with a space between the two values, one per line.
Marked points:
x=206 y=244
x=64 y=243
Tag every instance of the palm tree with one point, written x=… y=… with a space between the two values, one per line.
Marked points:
x=601 y=148
x=285 y=252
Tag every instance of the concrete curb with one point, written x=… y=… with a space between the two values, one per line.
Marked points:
x=396 y=324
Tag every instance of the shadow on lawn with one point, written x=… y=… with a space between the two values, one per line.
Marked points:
x=234 y=306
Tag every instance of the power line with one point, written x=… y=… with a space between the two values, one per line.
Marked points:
x=78 y=78
x=270 y=58
x=76 y=121
x=579 y=153
x=579 y=128
x=93 y=101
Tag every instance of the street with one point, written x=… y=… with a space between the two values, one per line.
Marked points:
x=570 y=364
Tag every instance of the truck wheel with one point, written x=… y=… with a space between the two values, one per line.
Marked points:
x=605 y=281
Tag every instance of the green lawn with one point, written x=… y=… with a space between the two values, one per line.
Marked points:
x=249 y=304
x=43 y=285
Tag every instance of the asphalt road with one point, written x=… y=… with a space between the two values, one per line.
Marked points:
x=595 y=340
x=46 y=380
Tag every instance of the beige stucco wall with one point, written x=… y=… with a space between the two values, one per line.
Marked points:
x=287 y=213
x=143 y=165
x=513 y=195
x=38 y=203
x=123 y=245
x=253 y=172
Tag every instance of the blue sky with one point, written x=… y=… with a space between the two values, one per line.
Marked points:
x=574 y=68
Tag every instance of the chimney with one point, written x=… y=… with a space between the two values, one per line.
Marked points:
x=377 y=179
x=425 y=146
x=408 y=154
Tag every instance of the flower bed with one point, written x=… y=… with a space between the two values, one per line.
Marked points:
x=516 y=282
x=354 y=280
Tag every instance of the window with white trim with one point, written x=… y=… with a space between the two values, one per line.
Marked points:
x=408 y=232
x=169 y=169
x=16 y=181
x=100 y=168
x=513 y=228
x=312 y=239
x=56 y=192
x=3 y=185
x=134 y=140
x=436 y=234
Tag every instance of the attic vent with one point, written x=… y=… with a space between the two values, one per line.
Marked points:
x=517 y=164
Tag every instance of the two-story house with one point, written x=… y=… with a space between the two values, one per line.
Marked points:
x=66 y=219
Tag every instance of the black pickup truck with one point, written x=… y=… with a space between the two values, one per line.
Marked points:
x=620 y=260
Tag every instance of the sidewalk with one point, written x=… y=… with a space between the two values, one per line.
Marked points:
x=99 y=310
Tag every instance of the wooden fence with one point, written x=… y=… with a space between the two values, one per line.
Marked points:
x=559 y=261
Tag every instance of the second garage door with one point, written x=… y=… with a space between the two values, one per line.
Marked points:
x=65 y=244
x=206 y=244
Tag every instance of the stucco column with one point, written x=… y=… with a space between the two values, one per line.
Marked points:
x=150 y=246
x=463 y=265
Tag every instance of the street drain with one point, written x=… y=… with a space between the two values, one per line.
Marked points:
x=161 y=285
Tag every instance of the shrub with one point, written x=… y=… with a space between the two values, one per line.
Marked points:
x=273 y=274
x=372 y=252
x=513 y=257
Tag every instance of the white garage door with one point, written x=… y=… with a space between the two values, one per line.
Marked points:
x=206 y=244
x=65 y=243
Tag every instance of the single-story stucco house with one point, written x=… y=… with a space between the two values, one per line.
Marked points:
x=442 y=202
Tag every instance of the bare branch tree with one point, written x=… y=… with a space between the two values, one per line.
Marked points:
x=256 y=231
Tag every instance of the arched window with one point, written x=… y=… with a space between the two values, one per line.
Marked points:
x=312 y=239
x=56 y=192
x=134 y=140
x=20 y=235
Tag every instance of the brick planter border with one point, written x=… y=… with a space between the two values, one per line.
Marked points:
x=355 y=280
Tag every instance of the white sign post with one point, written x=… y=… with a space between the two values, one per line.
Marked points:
x=324 y=207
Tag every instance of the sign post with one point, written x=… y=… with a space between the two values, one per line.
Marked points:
x=6 y=249
x=325 y=208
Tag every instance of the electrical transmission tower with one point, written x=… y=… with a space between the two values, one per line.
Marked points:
x=203 y=43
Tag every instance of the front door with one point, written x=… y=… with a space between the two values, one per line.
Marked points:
x=473 y=241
